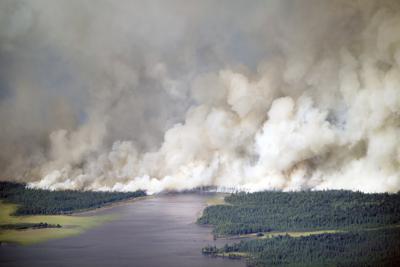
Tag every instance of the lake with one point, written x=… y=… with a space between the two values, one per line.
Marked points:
x=157 y=231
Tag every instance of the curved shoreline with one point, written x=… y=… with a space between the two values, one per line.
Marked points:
x=109 y=205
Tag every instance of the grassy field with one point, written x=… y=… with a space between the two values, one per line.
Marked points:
x=218 y=199
x=290 y=233
x=71 y=225
x=309 y=233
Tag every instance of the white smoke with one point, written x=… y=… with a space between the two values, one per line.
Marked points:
x=321 y=111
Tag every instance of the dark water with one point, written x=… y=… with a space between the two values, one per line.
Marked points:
x=152 y=232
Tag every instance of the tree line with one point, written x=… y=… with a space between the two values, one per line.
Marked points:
x=356 y=248
x=38 y=201
x=246 y=213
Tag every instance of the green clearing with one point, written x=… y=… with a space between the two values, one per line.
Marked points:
x=290 y=233
x=71 y=225
x=216 y=200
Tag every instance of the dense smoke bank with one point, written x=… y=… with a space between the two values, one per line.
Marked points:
x=172 y=95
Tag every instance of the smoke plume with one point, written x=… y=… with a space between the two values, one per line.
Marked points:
x=173 y=95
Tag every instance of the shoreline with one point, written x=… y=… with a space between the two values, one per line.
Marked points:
x=76 y=222
x=106 y=206
x=73 y=223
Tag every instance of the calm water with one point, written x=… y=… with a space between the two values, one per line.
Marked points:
x=152 y=232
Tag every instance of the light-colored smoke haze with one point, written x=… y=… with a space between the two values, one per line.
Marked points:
x=173 y=95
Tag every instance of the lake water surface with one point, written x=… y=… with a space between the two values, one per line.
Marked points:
x=159 y=231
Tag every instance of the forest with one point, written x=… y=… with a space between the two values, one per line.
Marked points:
x=38 y=201
x=308 y=228
x=356 y=248
x=245 y=213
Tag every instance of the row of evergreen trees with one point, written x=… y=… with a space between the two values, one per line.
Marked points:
x=284 y=211
x=357 y=248
x=38 y=201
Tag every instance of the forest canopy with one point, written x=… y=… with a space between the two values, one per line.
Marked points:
x=355 y=248
x=39 y=201
x=309 y=228
x=246 y=213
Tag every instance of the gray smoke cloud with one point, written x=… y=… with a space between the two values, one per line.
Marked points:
x=173 y=95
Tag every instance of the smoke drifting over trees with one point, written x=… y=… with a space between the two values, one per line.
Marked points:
x=159 y=95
